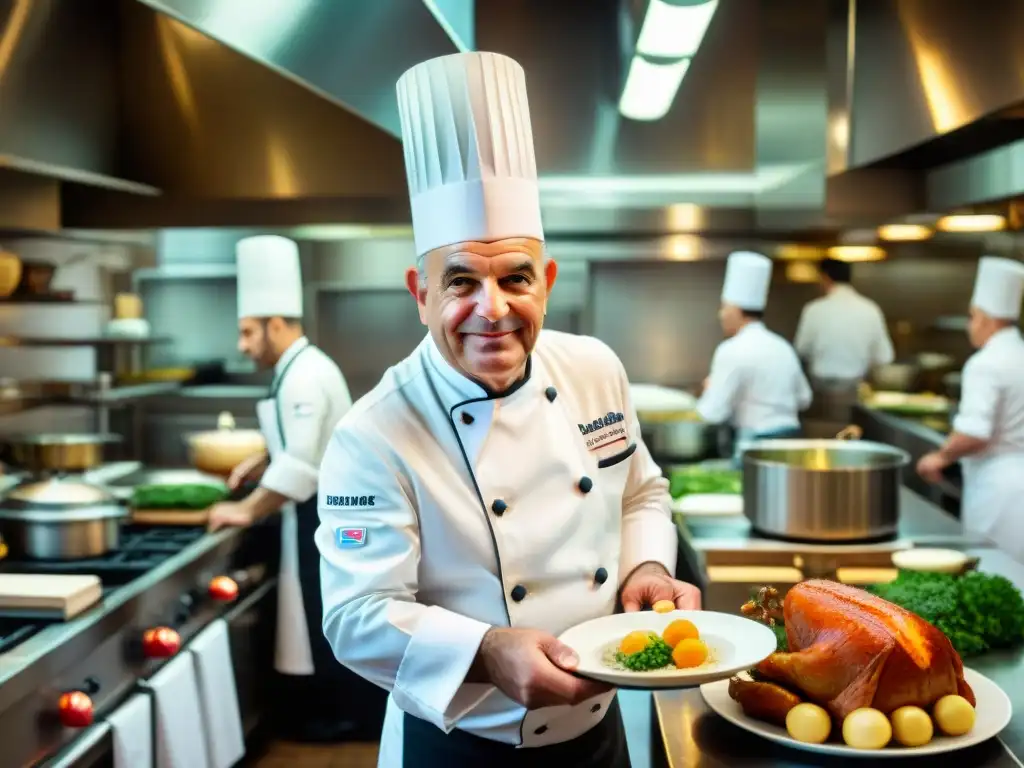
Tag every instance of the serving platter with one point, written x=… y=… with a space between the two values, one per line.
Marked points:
x=735 y=643
x=993 y=712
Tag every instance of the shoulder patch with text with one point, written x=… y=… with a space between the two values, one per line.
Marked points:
x=604 y=431
x=363 y=501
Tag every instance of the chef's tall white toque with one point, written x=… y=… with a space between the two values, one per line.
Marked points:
x=468 y=148
x=748 y=276
x=269 y=277
x=999 y=287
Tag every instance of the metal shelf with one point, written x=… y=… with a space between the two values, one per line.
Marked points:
x=103 y=398
x=99 y=341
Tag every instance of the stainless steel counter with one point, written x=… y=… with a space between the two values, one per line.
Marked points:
x=917 y=437
x=694 y=737
x=62 y=634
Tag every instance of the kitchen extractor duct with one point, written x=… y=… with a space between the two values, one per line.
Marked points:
x=58 y=110
x=988 y=177
x=863 y=196
x=791 y=111
x=351 y=52
x=232 y=142
x=926 y=69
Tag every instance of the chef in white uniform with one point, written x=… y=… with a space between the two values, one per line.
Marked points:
x=756 y=383
x=842 y=335
x=988 y=430
x=307 y=398
x=493 y=489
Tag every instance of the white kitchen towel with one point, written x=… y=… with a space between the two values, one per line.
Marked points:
x=180 y=735
x=211 y=653
x=133 y=732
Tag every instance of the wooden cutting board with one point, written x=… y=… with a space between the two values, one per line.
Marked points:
x=40 y=595
x=170 y=516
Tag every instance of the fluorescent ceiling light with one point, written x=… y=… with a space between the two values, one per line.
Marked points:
x=673 y=30
x=856 y=253
x=651 y=88
x=668 y=184
x=987 y=222
x=904 y=232
x=348 y=231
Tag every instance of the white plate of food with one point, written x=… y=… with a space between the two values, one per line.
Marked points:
x=992 y=715
x=649 y=650
x=862 y=678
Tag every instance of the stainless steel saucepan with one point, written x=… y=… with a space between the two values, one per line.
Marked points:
x=840 y=490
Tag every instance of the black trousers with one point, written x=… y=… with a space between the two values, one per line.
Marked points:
x=333 y=704
x=427 y=746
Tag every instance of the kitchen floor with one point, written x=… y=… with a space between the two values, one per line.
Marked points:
x=282 y=754
x=636 y=715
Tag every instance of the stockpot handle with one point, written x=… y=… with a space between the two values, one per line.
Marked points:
x=851 y=432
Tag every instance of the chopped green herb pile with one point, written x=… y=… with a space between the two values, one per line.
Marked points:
x=978 y=612
x=190 y=496
x=696 y=479
x=656 y=655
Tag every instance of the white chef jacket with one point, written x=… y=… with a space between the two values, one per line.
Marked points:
x=756 y=383
x=992 y=408
x=843 y=335
x=445 y=511
x=313 y=398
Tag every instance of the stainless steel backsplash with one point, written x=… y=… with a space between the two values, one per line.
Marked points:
x=661 y=317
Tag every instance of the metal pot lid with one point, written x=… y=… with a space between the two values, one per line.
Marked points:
x=54 y=492
x=63 y=515
x=796 y=452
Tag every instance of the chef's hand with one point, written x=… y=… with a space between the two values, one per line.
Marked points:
x=529 y=666
x=229 y=513
x=931 y=465
x=248 y=471
x=650 y=583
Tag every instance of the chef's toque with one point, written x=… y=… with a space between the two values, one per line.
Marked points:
x=269 y=278
x=747 y=278
x=999 y=287
x=468 y=150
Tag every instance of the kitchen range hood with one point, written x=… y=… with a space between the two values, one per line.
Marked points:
x=142 y=114
x=936 y=94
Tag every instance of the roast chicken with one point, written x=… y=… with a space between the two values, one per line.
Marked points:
x=851 y=649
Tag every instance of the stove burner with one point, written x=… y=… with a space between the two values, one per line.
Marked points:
x=142 y=548
x=15 y=631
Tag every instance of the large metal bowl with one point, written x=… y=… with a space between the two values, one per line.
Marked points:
x=823 y=490
x=219 y=451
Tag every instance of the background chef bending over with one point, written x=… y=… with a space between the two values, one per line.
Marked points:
x=756 y=383
x=468 y=514
x=307 y=398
